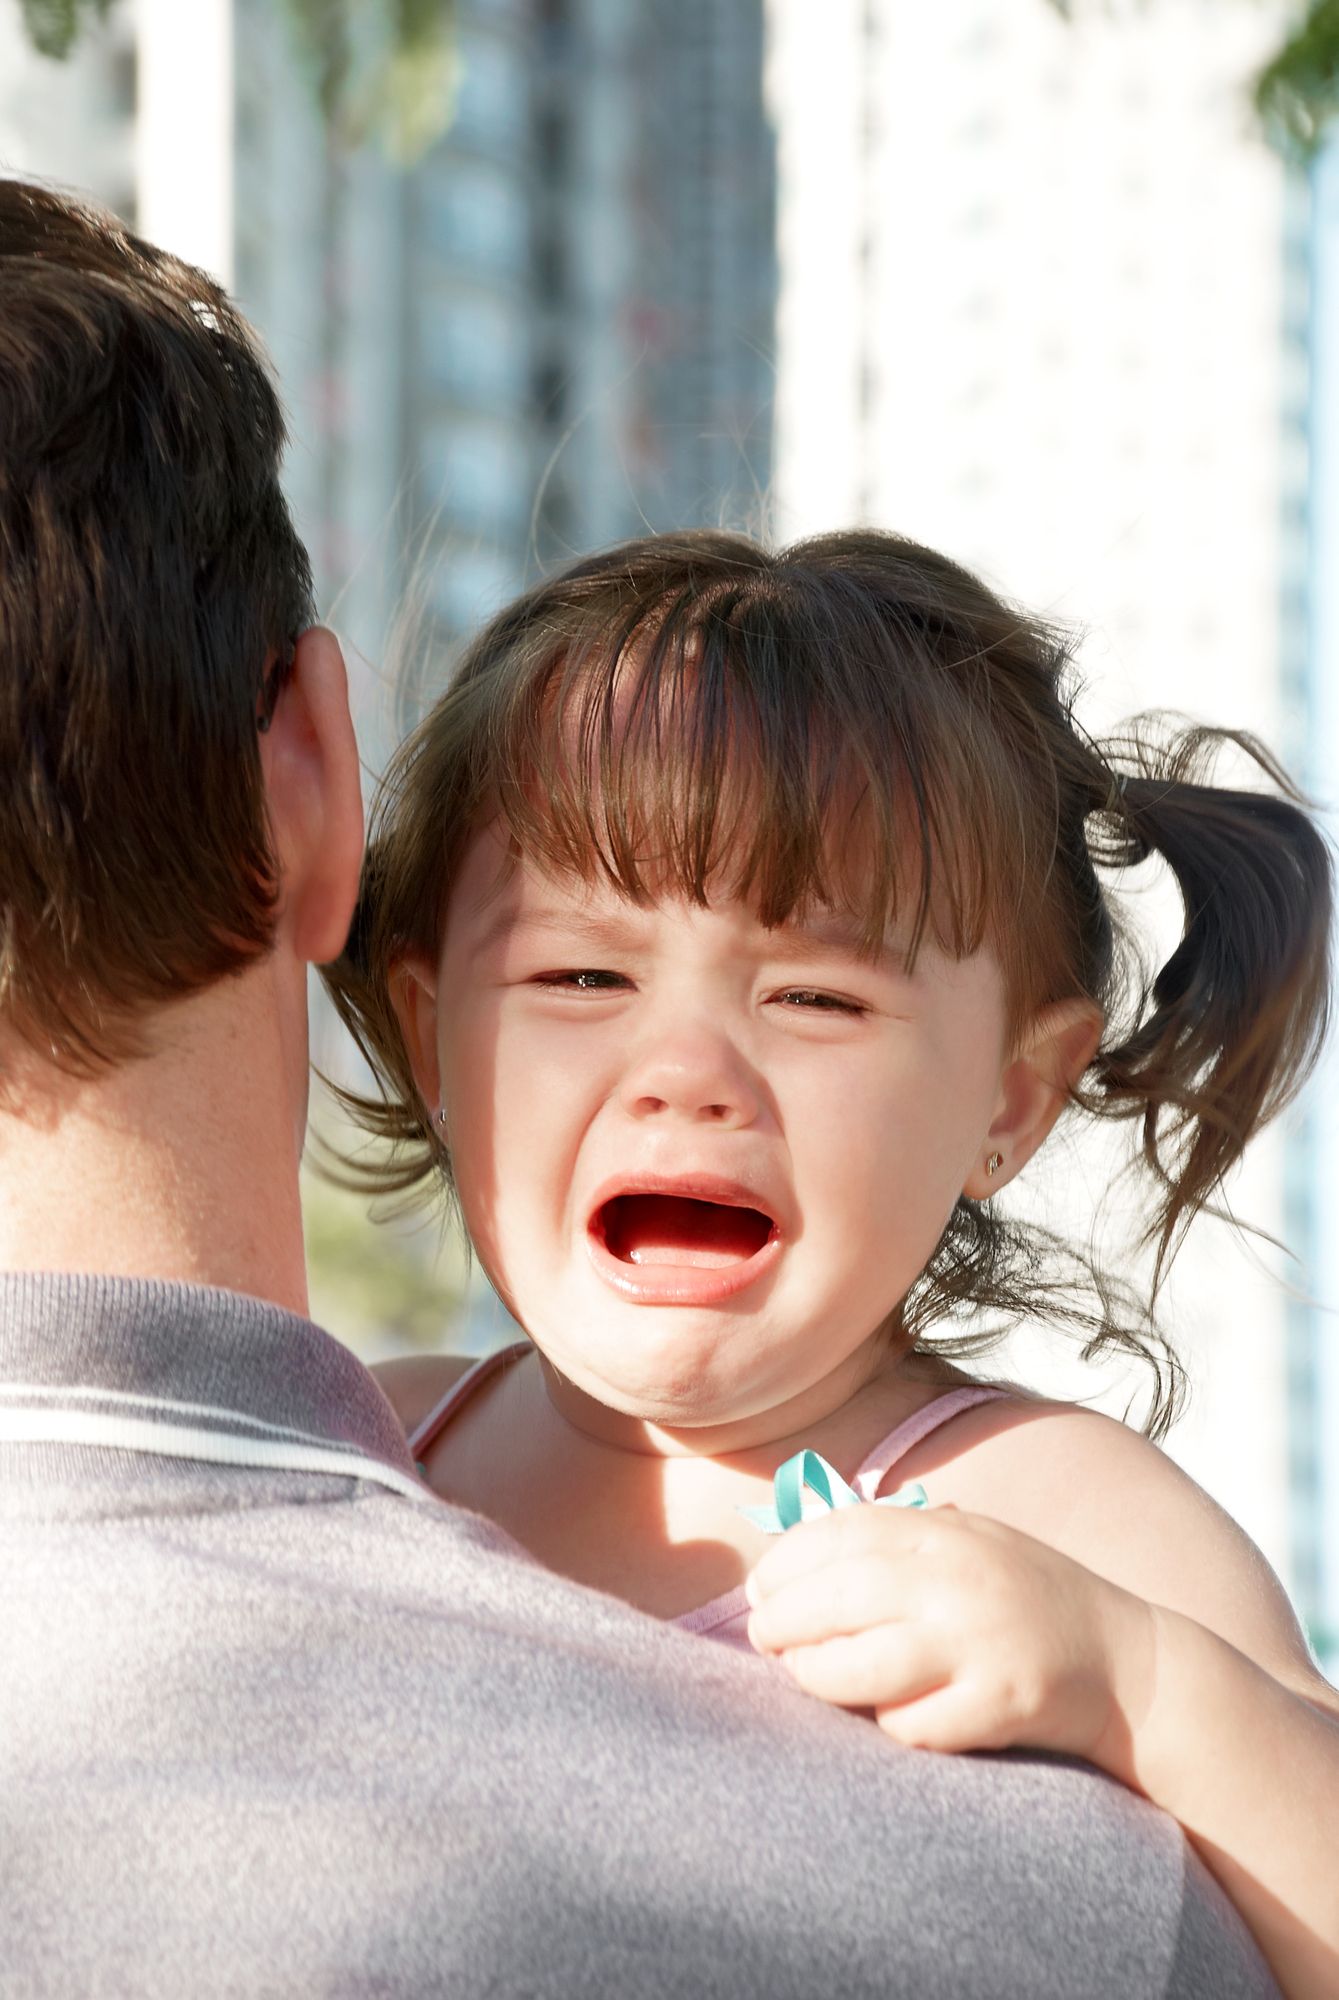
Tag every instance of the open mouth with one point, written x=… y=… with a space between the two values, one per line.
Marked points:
x=680 y=1230
x=698 y=1242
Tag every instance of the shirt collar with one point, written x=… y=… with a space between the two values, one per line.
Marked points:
x=186 y=1371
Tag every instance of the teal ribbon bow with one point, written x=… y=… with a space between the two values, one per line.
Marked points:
x=810 y=1469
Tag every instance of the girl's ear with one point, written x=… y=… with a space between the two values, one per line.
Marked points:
x=413 y=995
x=1052 y=1054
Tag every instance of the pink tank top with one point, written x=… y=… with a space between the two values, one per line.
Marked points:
x=726 y=1618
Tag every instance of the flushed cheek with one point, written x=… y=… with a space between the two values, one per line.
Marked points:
x=882 y=1187
x=515 y=1163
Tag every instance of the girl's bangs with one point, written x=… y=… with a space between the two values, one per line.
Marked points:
x=744 y=747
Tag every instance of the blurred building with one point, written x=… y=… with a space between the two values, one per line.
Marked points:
x=1045 y=303
x=197 y=127
x=1317 y=1335
x=591 y=285
x=552 y=330
x=72 y=123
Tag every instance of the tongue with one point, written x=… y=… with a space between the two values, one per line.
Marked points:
x=669 y=1229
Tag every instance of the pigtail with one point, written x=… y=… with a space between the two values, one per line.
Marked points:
x=1232 y=1024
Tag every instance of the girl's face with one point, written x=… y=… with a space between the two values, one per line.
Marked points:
x=703 y=1161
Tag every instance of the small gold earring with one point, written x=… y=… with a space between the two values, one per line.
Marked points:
x=993 y=1165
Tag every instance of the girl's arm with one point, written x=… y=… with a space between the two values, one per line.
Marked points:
x=1250 y=1767
x=1109 y=1610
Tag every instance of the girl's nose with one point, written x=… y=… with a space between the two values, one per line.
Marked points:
x=694 y=1076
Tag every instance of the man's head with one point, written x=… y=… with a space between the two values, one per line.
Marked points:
x=152 y=589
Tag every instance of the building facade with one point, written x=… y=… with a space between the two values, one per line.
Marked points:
x=551 y=330
x=1315 y=1372
x=591 y=285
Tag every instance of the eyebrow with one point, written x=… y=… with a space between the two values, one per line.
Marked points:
x=507 y=921
x=830 y=936
x=836 y=937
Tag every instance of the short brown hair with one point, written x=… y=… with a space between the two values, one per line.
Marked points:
x=857 y=721
x=150 y=577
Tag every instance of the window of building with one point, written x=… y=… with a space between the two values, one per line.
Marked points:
x=479 y=474
x=493 y=108
x=477 y=350
x=477 y=217
x=124 y=80
x=470 y=584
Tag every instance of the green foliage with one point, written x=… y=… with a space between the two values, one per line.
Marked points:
x=386 y=69
x=378 y=1283
x=54 y=26
x=1297 y=94
x=383 y=69
x=1324 y=1644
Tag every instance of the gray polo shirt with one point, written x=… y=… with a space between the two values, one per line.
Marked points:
x=274 y=1722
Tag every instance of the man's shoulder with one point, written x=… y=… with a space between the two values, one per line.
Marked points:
x=368 y=1741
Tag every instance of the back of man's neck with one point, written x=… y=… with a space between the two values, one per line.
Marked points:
x=182 y=1165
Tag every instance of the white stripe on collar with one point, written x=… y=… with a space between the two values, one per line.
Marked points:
x=88 y=1392
x=165 y=1439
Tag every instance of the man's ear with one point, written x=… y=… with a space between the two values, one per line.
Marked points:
x=413 y=995
x=1053 y=1052
x=310 y=761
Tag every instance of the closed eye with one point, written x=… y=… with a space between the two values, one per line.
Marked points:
x=809 y=997
x=582 y=979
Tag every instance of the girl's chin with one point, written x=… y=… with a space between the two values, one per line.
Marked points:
x=691 y=1368
x=682 y=1385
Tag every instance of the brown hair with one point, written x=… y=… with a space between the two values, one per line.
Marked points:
x=150 y=577
x=857 y=721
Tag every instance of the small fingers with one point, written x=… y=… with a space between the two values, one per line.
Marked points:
x=845 y=1596
x=848 y=1532
x=888 y=1664
x=921 y=1694
x=954 y=1716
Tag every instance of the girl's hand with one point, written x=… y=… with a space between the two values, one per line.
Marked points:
x=959 y=1633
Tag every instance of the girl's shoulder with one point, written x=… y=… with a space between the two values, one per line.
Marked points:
x=1058 y=1471
x=1052 y=1454
x=1106 y=1496
x=414 y=1383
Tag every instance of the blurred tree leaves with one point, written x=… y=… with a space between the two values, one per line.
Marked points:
x=1297 y=93
x=380 y=69
x=54 y=26
x=385 y=69
x=380 y=1282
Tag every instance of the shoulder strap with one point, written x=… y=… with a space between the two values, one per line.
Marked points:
x=880 y=1462
x=439 y=1416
